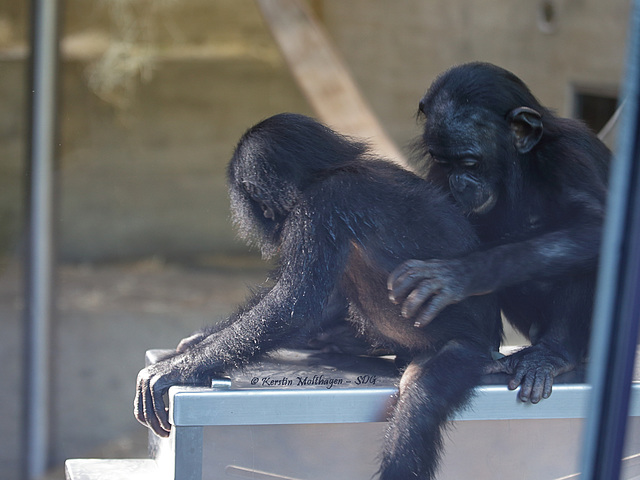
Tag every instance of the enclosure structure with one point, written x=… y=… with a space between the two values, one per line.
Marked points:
x=304 y=415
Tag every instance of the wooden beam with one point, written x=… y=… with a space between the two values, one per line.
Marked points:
x=322 y=76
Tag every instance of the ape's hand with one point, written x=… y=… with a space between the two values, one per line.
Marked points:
x=153 y=382
x=533 y=369
x=425 y=288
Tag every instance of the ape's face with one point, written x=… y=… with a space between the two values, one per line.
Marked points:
x=464 y=150
x=257 y=220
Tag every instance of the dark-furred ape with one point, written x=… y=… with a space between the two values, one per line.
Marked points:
x=339 y=222
x=534 y=187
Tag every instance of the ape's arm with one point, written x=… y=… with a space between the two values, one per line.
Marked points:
x=195 y=338
x=429 y=286
x=567 y=242
x=309 y=273
x=426 y=287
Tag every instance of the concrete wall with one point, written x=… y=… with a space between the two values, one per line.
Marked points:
x=152 y=182
x=396 y=49
x=147 y=124
x=155 y=95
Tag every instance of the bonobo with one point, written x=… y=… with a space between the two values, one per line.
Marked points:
x=533 y=185
x=339 y=221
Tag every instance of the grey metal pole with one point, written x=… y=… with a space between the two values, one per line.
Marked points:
x=40 y=250
x=617 y=310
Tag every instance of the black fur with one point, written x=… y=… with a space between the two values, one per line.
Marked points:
x=339 y=222
x=534 y=187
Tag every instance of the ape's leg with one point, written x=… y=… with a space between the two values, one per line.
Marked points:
x=432 y=388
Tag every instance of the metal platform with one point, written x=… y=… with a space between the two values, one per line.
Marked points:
x=303 y=415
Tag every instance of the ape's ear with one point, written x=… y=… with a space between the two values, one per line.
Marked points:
x=526 y=128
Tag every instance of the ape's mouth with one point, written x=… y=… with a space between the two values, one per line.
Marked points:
x=488 y=204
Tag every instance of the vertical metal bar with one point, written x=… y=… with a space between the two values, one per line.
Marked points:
x=617 y=312
x=40 y=250
x=187 y=450
x=180 y=455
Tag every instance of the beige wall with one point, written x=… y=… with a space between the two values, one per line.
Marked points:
x=395 y=49
x=146 y=133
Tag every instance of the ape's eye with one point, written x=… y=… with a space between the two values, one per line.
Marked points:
x=470 y=163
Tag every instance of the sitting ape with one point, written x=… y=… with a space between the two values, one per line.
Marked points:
x=534 y=187
x=339 y=222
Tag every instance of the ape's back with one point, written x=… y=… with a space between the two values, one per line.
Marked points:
x=389 y=215
x=395 y=215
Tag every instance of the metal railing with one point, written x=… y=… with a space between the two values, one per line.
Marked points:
x=39 y=258
x=617 y=309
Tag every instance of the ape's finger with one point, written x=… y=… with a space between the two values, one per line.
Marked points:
x=435 y=306
x=536 y=392
x=395 y=274
x=150 y=418
x=416 y=299
x=403 y=287
x=138 y=402
x=542 y=385
x=403 y=280
x=548 y=386
x=402 y=269
x=539 y=385
x=527 y=387
x=516 y=380
x=161 y=412
x=138 y=409
x=186 y=343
